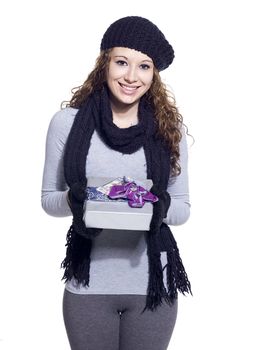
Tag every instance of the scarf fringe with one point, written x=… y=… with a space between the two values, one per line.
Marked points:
x=77 y=260
x=156 y=289
x=177 y=279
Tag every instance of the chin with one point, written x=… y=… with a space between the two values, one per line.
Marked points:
x=126 y=99
x=129 y=101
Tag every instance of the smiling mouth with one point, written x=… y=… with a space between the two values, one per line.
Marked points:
x=129 y=88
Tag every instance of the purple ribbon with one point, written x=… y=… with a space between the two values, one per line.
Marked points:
x=136 y=195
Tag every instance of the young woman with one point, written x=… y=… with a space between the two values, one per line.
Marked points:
x=121 y=285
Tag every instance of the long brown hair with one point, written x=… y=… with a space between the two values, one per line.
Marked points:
x=170 y=121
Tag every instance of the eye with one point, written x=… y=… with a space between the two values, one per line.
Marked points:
x=145 y=66
x=121 y=63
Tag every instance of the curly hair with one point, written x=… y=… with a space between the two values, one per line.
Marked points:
x=168 y=118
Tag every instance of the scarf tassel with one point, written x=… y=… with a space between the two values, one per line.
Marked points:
x=156 y=289
x=177 y=279
x=77 y=260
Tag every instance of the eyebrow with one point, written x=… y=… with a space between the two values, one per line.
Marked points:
x=121 y=56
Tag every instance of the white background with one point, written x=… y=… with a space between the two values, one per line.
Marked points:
x=49 y=47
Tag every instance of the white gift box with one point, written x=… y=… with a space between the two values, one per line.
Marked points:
x=117 y=215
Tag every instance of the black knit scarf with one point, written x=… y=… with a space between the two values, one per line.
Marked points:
x=96 y=113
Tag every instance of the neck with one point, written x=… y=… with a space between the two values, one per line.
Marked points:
x=124 y=115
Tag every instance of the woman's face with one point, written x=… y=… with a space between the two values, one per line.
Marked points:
x=129 y=75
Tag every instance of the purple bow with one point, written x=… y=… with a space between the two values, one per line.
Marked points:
x=136 y=195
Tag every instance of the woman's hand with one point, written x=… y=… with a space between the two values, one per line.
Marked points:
x=160 y=208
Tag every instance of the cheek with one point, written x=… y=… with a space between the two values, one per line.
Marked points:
x=114 y=72
x=148 y=78
x=111 y=79
x=148 y=83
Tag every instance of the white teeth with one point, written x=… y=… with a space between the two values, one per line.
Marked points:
x=130 y=88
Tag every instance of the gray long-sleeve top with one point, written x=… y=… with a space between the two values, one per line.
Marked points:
x=119 y=261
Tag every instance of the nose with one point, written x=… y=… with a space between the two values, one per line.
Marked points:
x=131 y=75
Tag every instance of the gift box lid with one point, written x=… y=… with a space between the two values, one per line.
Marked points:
x=117 y=215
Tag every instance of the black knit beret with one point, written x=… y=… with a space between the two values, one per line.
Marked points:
x=142 y=35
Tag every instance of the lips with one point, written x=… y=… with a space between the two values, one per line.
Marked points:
x=129 y=89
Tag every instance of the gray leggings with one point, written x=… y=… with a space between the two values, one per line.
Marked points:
x=115 y=322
